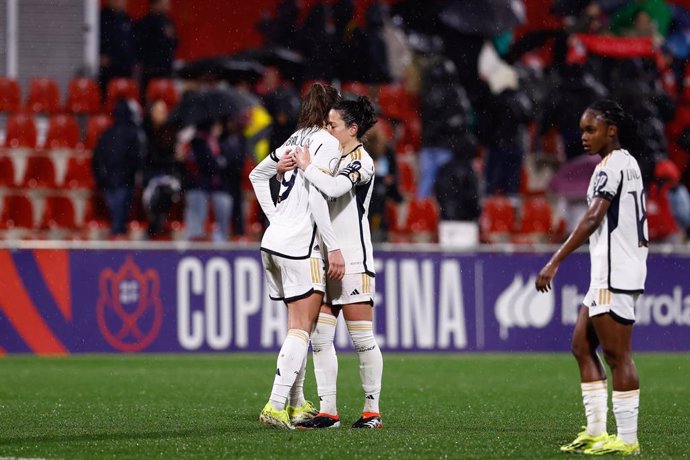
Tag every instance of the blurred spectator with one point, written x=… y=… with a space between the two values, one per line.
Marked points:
x=376 y=70
x=204 y=180
x=642 y=15
x=318 y=44
x=282 y=103
x=116 y=161
x=233 y=157
x=281 y=30
x=156 y=42
x=161 y=171
x=348 y=39
x=445 y=117
x=385 y=183
x=117 y=53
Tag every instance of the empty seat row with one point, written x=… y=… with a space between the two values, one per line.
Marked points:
x=531 y=222
x=83 y=95
x=42 y=171
x=62 y=132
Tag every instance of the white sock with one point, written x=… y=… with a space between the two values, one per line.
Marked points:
x=625 y=407
x=370 y=362
x=595 y=398
x=325 y=363
x=296 y=397
x=290 y=360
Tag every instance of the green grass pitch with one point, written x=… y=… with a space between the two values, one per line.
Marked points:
x=206 y=406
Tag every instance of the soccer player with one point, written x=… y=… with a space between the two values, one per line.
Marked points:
x=616 y=225
x=291 y=252
x=350 y=191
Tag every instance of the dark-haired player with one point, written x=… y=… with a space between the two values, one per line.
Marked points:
x=616 y=226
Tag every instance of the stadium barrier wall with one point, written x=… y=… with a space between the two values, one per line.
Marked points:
x=62 y=298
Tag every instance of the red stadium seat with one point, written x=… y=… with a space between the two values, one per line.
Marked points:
x=40 y=172
x=83 y=96
x=119 y=88
x=58 y=213
x=497 y=220
x=164 y=89
x=21 y=131
x=63 y=132
x=17 y=212
x=79 y=174
x=94 y=128
x=355 y=87
x=422 y=220
x=536 y=222
x=10 y=95
x=396 y=102
x=44 y=96
x=407 y=177
x=6 y=172
x=411 y=139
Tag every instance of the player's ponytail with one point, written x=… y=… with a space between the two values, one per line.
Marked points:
x=358 y=112
x=614 y=114
x=316 y=104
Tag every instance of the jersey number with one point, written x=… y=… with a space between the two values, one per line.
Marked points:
x=288 y=186
x=640 y=218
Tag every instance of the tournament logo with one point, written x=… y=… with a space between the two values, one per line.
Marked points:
x=520 y=305
x=129 y=310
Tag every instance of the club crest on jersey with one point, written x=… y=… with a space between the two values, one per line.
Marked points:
x=600 y=181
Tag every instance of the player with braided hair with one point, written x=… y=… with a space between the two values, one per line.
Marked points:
x=616 y=225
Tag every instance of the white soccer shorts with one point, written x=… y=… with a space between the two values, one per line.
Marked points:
x=353 y=288
x=602 y=300
x=292 y=279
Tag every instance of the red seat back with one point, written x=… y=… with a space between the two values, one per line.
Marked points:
x=6 y=172
x=79 y=173
x=94 y=128
x=63 y=132
x=497 y=217
x=10 y=95
x=17 y=211
x=422 y=216
x=40 y=172
x=58 y=213
x=164 y=89
x=536 y=216
x=83 y=96
x=44 y=96
x=121 y=88
x=21 y=131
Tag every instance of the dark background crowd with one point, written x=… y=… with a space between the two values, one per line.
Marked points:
x=479 y=108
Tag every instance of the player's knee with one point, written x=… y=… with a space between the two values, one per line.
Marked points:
x=616 y=358
x=362 y=335
x=579 y=349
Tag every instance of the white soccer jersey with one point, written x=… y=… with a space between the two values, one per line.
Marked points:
x=618 y=248
x=350 y=192
x=294 y=219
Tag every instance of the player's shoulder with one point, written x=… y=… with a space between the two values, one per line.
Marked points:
x=617 y=160
x=324 y=137
x=360 y=154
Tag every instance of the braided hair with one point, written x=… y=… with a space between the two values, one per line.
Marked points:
x=613 y=114
x=360 y=112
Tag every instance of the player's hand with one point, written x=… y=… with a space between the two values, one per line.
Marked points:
x=336 y=265
x=286 y=163
x=302 y=157
x=543 y=282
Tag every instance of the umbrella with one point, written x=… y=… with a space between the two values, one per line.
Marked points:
x=487 y=18
x=290 y=63
x=201 y=107
x=221 y=68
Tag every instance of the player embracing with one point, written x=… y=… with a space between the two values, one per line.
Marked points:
x=350 y=193
x=616 y=225
x=291 y=251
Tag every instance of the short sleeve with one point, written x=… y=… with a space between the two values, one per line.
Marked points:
x=606 y=182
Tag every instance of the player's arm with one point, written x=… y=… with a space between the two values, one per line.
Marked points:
x=322 y=217
x=354 y=174
x=584 y=229
x=259 y=177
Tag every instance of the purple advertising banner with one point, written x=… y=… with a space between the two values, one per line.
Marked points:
x=171 y=300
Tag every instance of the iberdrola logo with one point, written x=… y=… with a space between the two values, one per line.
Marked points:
x=129 y=310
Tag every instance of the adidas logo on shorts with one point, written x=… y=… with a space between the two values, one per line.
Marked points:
x=355 y=292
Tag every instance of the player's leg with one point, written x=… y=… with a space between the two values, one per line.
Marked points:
x=301 y=284
x=592 y=383
x=301 y=316
x=615 y=334
x=359 y=320
x=325 y=369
